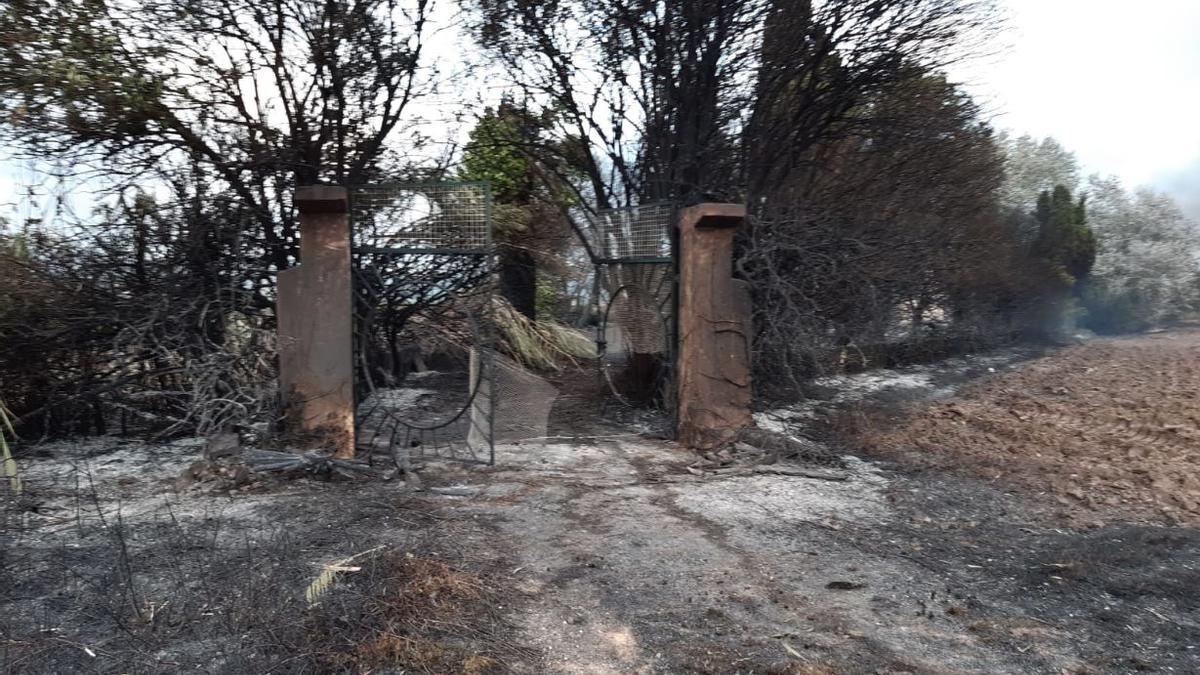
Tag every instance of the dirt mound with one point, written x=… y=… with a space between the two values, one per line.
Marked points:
x=1109 y=427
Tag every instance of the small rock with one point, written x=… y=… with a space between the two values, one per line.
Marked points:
x=224 y=444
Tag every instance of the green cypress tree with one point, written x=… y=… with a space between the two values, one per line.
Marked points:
x=1064 y=239
x=497 y=152
x=508 y=148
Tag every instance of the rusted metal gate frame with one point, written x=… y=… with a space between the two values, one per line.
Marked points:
x=403 y=435
x=668 y=310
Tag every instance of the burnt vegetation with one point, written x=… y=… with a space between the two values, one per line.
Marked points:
x=880 y=230
x=889 y=223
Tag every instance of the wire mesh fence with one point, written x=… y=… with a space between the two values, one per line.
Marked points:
x=637 y=234
x=450 y=218
x=525 y=402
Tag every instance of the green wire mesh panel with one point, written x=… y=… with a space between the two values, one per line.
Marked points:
x=423 y=217
x=424 y=333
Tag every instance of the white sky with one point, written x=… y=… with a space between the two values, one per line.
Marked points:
x=1115 y=81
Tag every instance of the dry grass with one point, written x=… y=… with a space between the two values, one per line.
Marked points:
x=193 y=590
x=390 y=649
x=433 y=586
x=419 y=614
x=7 y=463
x=543 y=344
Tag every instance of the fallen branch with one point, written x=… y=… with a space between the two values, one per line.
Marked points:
x=270 y=461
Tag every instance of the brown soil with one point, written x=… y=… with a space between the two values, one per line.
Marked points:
x=1108 y=429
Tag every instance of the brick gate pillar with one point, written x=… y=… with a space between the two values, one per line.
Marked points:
x=314 y=309
x=714 y=329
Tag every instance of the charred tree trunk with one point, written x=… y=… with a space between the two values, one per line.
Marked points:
x=642 y=379
x=518 y=280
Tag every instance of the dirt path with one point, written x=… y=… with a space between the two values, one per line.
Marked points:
x=624 y=572
x=626 y=564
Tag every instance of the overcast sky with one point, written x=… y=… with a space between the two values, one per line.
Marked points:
x=1117 y=82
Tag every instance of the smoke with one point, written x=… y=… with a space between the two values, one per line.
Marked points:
x=1184 y=186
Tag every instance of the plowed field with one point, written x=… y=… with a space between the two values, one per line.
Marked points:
x=1107 y=428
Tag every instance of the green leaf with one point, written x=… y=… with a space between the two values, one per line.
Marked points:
x=6 y=458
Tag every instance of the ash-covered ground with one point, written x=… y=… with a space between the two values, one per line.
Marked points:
x=604 y=553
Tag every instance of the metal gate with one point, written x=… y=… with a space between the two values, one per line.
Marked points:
x=635 y=267
x=424 y=354
x=428 y=373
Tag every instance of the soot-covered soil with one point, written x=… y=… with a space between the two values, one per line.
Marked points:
x=603 y=553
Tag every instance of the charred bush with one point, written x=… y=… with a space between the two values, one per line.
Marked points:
x=144 y=323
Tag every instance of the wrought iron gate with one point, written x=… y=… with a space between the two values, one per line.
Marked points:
x=636 y=270
x=424 y=356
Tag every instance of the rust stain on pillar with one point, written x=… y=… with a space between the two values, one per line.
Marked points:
x=714 y=329
x=314 y=311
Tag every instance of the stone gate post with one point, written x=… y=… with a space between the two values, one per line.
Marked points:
x=714 y=329
x=314 y=309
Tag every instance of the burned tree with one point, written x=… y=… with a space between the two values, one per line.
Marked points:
x=811 y=113
x=224 y=106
